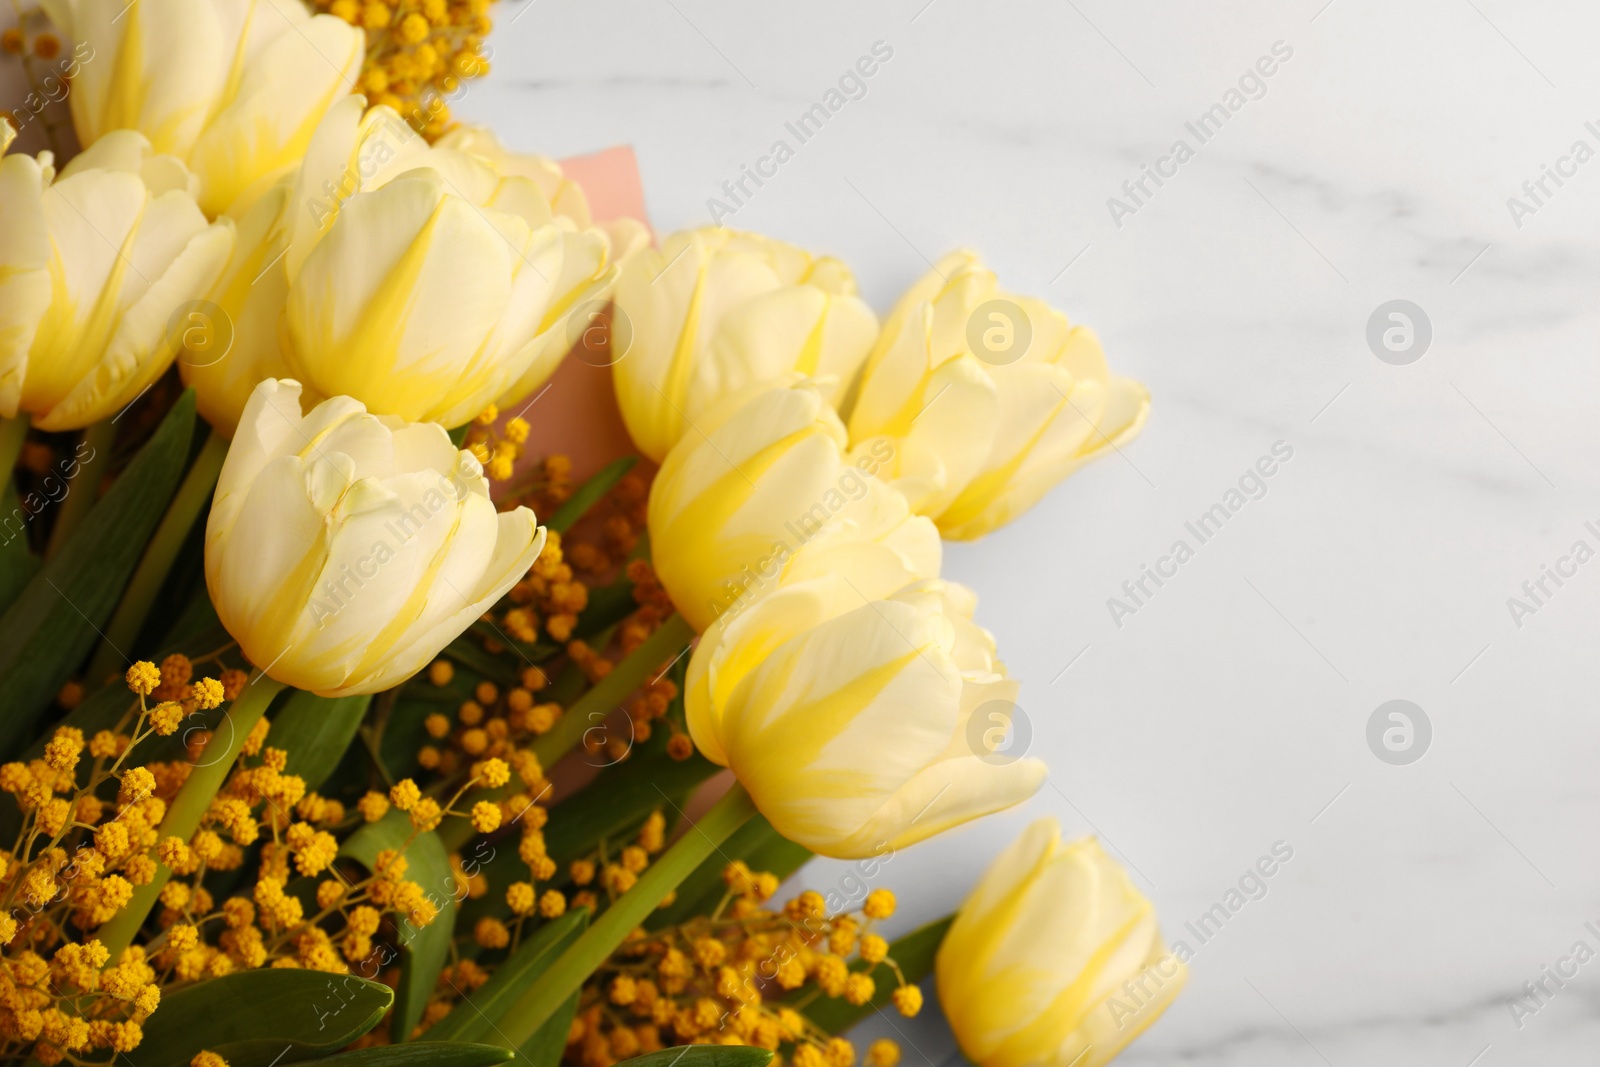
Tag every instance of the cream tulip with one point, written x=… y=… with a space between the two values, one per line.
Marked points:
x=990 y=398
x=846 y=708
x=232 y=341
x=94 y=264
x=566 y=197
x=1055 y=960
x=232 y=87
x=764 y=475
x=345 y=550
x=422 y=281
x=716 y=311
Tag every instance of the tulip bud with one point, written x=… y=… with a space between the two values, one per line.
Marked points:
x=1055 y=958
x=846 y=712
x=345 y=550
x=715 y=312
x=94 y=264
x=989 y=397
x=423 y=282
x=764 y=475
x=232 y=87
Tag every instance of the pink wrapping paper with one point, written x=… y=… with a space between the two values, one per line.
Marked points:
x=575 y=413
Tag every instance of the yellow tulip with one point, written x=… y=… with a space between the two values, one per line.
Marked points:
x=422 y=281
x=846 y=707
x=94 y=264
x=990 y=398
x=566 y=197
x=764 y=475
x=714 y=312
x=232 y=341
x=1055 y=959
x=232 y=87
x=345 y=550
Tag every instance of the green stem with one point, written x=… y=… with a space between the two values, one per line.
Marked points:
x=638 y=667
x=13 y=433
x=574 y=966
x=588 y=711
x=187 y=808
x=99 y=436
x=134 y=608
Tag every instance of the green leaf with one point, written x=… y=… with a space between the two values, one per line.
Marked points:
x=17 y=565
x=256 y=1018
x=549 y=1042
x=474 y=1018
x=589 y=494
x=703 y=1056
x=620 y=801
x=608 y=605
x=545 y=1047
x=422 y=1054
x=758 y=844
x=468 y=651
x=55 y=621
x=426 y=947
x=316 y=731
x=914 y=954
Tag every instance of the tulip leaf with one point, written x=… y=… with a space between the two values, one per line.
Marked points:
x=256 y=1018
x=467 y=651
x=545 y=1047
x=56 y=620
x=475 y=1016
x=608 y=605
x=757 y=844
x=316 y=731
x=17 y=565
x=425 y=948
x=421 y=1054
x=589 y=494
x=913 y=953
x=703 y=1056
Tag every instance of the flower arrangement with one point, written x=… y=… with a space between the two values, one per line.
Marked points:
x=345 y=724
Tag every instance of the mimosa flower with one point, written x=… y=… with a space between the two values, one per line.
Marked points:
x=1055 y=958
x=990 y=398
x=422 y=281
x=94 y=263
x=716 y=311
x=344 y=550
x=232 y=87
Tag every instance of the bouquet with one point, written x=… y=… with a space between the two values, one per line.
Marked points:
x=349 y=721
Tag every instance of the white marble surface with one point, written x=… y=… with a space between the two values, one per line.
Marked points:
x=1230 y=712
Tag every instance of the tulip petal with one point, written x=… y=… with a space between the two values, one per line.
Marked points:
x=24 y=272
x=267 y=121
x=517 y=544
x=840 y=719
x=156 y=67
x=398 y=297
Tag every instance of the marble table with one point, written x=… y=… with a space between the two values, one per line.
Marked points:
x=1378 y=162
